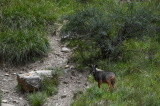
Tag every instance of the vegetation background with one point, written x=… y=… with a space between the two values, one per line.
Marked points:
x=119 y=36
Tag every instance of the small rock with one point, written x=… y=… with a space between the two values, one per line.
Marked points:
x=4 y=101
x=14 y=73
x=73 y=73
x=63 y=96
x=71 y=78
x=65 y=82
x=5 y=91
x=57 y=39
x=20 y=98
x=4 y=79
x=72 y=67
x=66 y=70
x=64 y=49
x=10 y=98
x=67 y=66
x=6 y=74
x=56 y=104
x=15 y=101
x=86 y=84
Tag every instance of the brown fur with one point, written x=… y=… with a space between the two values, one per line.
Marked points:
x=104 y=77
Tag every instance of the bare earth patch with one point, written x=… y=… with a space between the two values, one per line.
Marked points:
x=70 y=82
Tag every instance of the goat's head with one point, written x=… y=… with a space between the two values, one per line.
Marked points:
x=93 y=69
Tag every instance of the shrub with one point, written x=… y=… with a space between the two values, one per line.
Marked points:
x=106 y=30
x=37 y=99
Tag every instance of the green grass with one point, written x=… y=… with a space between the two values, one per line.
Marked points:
x=37 y=99
x=137 y=81
x=22 y=46
x=119 y=37
x=133 y=89
x=23 y=36
x=24 y=26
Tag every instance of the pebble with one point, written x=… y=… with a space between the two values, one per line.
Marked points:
x=14 y=73
x=56 y=104
x=15 y=101
x=63 y=96
x=64 y=49
x=5 y=91
x=4 y=79
x=6 y=74
x=67 y=66
x=20 y=98
x=4 y=101
x=66 y=70
x=57 y=39
x=65 y=82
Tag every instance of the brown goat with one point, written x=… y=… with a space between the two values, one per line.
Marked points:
x=104 y=77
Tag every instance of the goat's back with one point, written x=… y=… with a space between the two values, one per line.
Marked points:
x=104 y=76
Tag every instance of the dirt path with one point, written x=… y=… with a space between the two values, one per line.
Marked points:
x=70 y=82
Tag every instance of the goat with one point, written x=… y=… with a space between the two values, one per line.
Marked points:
x=104 y=77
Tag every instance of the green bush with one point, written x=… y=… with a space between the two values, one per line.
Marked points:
x=37 y=99
x=106 y=29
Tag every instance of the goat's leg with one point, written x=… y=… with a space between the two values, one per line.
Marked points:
x=109 y=83
x=99 y=83
x=114 y=86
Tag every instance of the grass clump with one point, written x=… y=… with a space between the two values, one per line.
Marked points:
x=49 y=86
x=23 y=29
x=37 y=99
x=22 y=46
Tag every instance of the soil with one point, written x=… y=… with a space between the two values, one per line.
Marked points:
x=71 y=82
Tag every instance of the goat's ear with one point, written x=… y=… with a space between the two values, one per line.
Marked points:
x=96 y=66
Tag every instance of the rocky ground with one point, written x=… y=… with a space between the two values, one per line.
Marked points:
x=71 y=82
